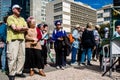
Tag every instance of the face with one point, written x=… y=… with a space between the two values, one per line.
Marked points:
x=82 y=28
x=78 y=28
x=41 y=28
x=32 y=23
x=17 y=11
x=118 y=29
x=46 y=28
x=58 y=26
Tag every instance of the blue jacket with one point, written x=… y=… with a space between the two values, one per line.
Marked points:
x=57 y=34
x=3 y=32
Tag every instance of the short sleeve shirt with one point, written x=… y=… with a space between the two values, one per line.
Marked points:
x=17 y=21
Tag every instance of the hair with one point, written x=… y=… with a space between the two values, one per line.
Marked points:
x=89 y=25
x=29 y=19
x=97 y=27
x=45 y=25
x=39 y=25
x=117 y=23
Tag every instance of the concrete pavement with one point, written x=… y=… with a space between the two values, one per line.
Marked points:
x=70 y=73
x=74 y=73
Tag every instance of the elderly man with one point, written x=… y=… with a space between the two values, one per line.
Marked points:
x=16 y=43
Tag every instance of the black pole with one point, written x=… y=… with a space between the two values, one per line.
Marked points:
x=110 y=67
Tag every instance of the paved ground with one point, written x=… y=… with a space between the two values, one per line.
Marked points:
x=74 y=73
x=70 y=73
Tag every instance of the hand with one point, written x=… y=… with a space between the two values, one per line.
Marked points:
x=94 y=47
x=18 y=29
x=34 y=43
x=35 y=39
x=21 y=29
x=24 y=29
x=60 y=39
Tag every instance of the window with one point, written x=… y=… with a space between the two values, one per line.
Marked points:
x=107 y=10
x=42 y=14
x=58 y=5
x=100 y=15
x=58 y=9
x=100 y=22
x=58 y=17
x=42 y=10
x=107 y=19
x=43 y=7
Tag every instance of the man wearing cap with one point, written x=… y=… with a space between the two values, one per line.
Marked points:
x=75 y=44
x=16 y=43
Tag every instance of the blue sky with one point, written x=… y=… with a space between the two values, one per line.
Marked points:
x=96 y=3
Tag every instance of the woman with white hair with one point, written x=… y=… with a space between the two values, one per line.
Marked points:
x=33 y=48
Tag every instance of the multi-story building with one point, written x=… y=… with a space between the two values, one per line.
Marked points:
x=82 y=14
x=70 y=13
x=35 y=8
x=4 y=8
x=38 y=9
x=25 y=4
x=104 y=14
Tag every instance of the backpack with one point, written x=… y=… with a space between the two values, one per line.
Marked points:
x=71 y=39
x=88 y=39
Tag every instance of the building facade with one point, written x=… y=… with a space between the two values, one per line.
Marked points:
x=25 y=4
x=38 y=9
x=4 y=8
x=104 y=14
x=70 y=13
x=35 y=8
x=82 y=14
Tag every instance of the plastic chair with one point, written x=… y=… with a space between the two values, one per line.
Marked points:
x=105 y=58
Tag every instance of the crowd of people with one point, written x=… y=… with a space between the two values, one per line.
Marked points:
x=23 y=45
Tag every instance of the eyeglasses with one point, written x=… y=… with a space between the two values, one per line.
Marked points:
x=18 y=9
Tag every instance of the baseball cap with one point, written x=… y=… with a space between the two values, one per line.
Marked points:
x=57 y=23
x=16 y=6
x=77 y=26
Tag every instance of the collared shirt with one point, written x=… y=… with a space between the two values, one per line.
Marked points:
x=76 y=35
x=19 y=22
x=44 y=38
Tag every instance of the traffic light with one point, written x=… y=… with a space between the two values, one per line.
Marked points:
x=116 y=2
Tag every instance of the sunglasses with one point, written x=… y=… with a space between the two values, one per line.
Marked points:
x=58 y=24
x=18 y=9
